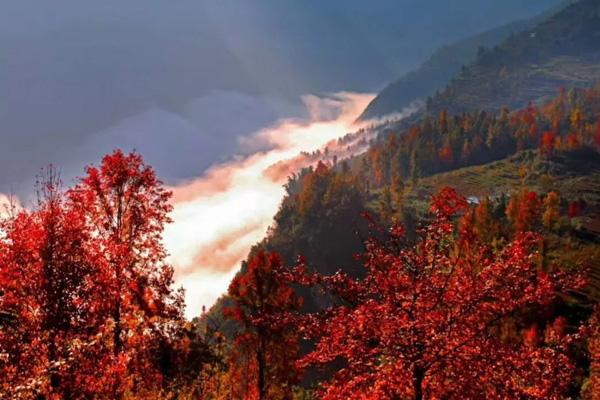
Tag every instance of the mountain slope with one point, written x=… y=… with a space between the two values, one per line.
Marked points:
x=436 y=72
x=480 y=154
x=563 y=51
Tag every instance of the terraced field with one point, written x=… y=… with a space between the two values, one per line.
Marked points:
x=483 y=88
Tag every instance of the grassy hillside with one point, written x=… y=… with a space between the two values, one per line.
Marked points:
x=576 y=175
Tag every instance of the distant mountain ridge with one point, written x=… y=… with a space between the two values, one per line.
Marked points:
x=562 y=51
x=444 y=64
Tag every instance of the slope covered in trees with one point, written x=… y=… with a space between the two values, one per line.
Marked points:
x=535 y=169
x=560 y=48
x=469 y=308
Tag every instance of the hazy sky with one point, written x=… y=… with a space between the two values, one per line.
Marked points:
x=182 y=80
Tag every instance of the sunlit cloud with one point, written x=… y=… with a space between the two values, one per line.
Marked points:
x=220 y=215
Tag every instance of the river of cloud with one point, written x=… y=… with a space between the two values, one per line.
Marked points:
x=220 y=215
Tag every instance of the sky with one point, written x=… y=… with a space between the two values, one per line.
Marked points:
x=203 y=88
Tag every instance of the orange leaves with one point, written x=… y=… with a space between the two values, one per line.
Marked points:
x=551 y=214
x=376 y=158
x=547 y=144
x=576 y=119
x=445 y=153
x=523 y=210
x=313 y=187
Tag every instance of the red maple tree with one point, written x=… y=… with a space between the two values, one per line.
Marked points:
x=127 y=207
x=547 y=144
x=427 y=320
x=266 y=345
x=85 y=284
x=48 y=272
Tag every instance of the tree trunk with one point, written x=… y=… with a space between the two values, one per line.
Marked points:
x=52 y=358
x=260 y=355
x=418 y=383
x=117 y=331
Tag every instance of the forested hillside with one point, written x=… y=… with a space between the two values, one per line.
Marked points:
x=522 y=62
x=535 y=169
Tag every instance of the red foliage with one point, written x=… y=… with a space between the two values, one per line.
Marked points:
x=529 y=114
x=266 y=346
x=572 y=141
x=445 y=153
x=576 y=208
x=592 y=390
x=48 y=263
x=524 y=210
x=547 y=144
x=127 y=206
x=84 y=276
x=425 y=320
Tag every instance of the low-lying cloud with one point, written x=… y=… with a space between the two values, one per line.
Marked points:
x=220 y=215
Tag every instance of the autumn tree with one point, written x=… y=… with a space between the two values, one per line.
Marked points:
x=445 y=153
x=576 y=119
x=551 y=214
x=424 y=322
x=127 y=208
x=84 y=275
x=266 y=346
x=485 y=225
x=523 y=210
x=51 y=274
x=547 y=144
